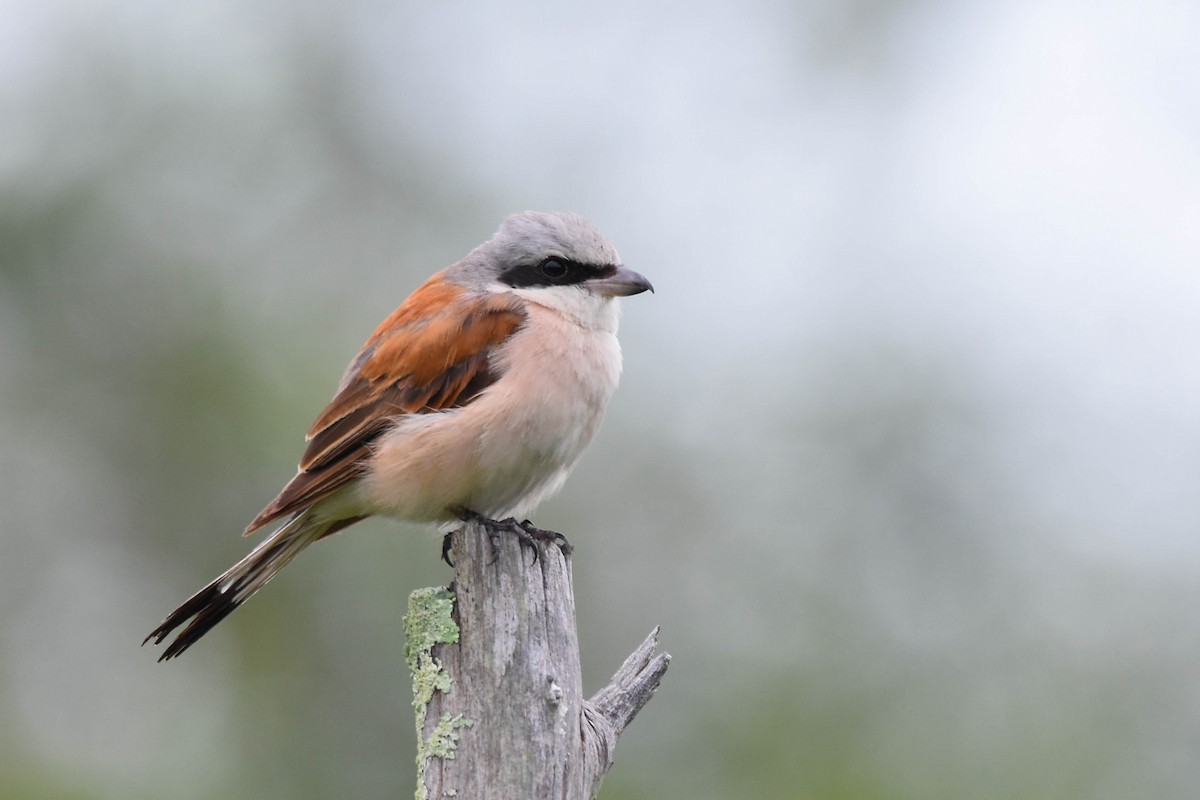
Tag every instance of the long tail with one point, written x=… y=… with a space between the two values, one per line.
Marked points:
x=216 y=601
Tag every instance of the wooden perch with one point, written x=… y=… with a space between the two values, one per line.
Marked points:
x=497 y=683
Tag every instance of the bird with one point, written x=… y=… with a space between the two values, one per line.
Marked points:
x=472 y=401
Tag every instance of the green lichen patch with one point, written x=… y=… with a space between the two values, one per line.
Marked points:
x=430 y=622
x=444 y=739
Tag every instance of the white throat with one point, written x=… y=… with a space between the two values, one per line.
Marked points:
x=586 y=309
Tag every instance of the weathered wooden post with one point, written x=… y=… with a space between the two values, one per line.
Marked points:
x=497 y=682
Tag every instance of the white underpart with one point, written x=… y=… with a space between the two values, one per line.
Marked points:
x=513 y=446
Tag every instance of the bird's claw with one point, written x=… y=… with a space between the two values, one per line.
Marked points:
x=543 y=535
x=525 y=532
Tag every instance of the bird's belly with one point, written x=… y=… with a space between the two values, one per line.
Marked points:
x=503 y=453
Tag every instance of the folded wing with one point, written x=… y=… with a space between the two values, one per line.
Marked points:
x=433 y=353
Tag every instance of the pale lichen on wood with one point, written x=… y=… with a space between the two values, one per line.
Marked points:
x=429 y=622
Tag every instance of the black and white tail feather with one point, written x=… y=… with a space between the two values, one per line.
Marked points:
x=238 y=584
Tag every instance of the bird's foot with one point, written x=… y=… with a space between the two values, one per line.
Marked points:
x=525 y=532
x=543 y=535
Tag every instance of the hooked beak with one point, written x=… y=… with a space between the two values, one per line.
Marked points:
x=623 y=282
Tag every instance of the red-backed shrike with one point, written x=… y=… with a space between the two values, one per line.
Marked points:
x=474 y=399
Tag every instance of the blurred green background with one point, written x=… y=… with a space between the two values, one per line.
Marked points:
x=904 y=461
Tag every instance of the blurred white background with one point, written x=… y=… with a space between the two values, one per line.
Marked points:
x=904 y=460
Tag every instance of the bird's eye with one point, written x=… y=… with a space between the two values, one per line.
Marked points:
x=554 y=269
